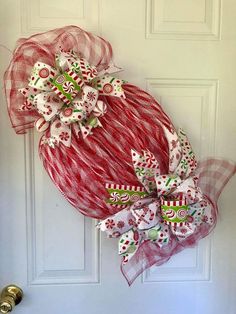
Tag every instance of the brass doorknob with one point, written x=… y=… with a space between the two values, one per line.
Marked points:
x=11 y=295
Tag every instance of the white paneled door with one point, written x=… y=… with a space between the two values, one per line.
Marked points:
x=181 y=51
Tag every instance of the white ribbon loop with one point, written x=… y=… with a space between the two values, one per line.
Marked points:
x=69 y=93
x=167 y=215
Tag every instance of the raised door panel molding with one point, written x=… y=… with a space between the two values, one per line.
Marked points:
x=183 y=19
x=63 y=245
x=192 y=105
x=190 y=265
x=43 y=15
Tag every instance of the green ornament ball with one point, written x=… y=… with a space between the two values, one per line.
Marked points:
x=131 y=249
x=152 y=234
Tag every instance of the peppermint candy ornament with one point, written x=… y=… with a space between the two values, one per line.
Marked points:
x=100 y=109
x=135 y=197
x=124 y=198
x=68 y=87
x=115 y=197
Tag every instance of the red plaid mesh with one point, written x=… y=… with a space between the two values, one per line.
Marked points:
x=43 y=47
x=214 y=175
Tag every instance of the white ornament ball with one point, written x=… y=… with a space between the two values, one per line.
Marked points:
x=100 y=109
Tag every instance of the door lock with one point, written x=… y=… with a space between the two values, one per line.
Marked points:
x=11 y=295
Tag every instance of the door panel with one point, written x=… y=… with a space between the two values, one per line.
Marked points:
x=182 y=52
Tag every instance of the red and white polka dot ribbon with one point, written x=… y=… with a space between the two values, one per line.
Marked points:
x=68 y=94
x=176 y=189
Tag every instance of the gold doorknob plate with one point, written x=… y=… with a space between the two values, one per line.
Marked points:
x=11 y=295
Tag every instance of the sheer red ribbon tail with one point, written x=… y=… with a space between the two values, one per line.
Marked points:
x=213 y=176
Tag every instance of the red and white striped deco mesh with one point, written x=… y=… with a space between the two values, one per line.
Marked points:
x=81 y=171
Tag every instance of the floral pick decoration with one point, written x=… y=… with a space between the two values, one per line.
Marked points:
x=67 y=96
x=169 y=205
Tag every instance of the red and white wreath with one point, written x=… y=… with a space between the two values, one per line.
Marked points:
x=110 y=148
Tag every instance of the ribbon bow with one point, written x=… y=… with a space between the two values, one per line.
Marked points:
x=67 y=96
x=167 y=205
